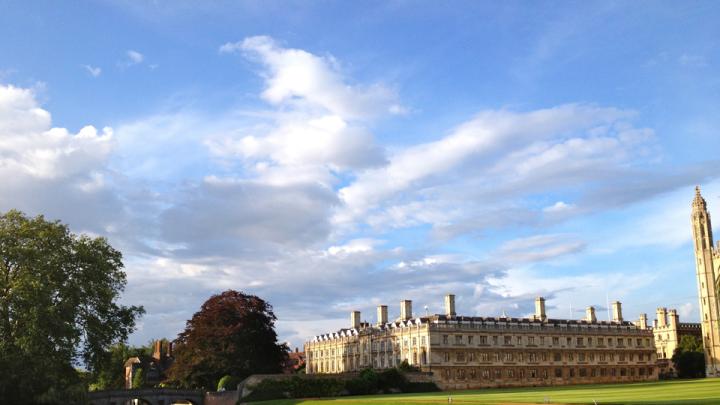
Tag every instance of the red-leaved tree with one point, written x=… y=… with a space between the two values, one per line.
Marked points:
x=232 y=334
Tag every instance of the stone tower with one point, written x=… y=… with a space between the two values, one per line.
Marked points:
x=705 y=258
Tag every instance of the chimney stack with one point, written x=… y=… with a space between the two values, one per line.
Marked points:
x=642 y=323
x=355 y=319
x=450 y=305
x=674 y=318
x=661 y=317
x=590 y=315
x=382 y=314
x=540 y=309
x=405 y=310
x=617 y=311
x=157 y=350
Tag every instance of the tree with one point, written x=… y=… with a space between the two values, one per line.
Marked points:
x=110 y=373
x=138 y=380
x=689 y=359
x=58 y=308
x=232 y=334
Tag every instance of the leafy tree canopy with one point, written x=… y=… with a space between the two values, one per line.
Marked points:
x=689 y=359
x=232 y=334
x=58 y=309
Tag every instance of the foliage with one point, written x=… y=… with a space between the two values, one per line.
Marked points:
x=110 y=373
x=295 y=387
x=232 y=334
x=405 y=367
x=228 y=383
x=138 y=380
x=58 y=308
x=368 y=381
x=689 y=359
x=689 y=343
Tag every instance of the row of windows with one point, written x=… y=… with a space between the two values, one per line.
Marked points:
x=542 y=340
x=534 y=357
x=497 y=373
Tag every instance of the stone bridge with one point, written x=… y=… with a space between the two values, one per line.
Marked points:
x=147 y=396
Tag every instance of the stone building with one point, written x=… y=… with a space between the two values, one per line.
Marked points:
x=707 y=265
x=154 y=366
x=667 y=331
x=466 y=352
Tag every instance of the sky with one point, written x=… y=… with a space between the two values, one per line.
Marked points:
x=334 y=156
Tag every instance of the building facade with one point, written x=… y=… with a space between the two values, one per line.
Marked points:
x=668 y=331
x=474 y=352
x=707 y=265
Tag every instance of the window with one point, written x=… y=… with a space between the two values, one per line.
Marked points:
x=470 y=339
x=580 y=341
x=581 y=357
x=508 y=357
x=458 y=339
x=414 y=341
x=638 y=342
x=557 y=357
x=531 y=340
x=422 y=340
x=601 y=341
x=558 y=373
x=542 y=340
x=507 y=340
x=556 y=341
x=447 y=357
x=583 y=372
x=590 y=341
x=533 y=373
x=518 y=340
x=495 y=340
x=460 y=356
x=445 y=339
x=483 y=340
x=484 y=357
x=569 y=341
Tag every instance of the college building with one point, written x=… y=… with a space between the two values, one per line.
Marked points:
x=464 y=352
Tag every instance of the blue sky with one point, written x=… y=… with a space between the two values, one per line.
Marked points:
x=332 y=156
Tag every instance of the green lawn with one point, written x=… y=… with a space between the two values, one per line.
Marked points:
x=705 y=391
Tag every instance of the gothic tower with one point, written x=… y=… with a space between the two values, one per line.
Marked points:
x=707 y=288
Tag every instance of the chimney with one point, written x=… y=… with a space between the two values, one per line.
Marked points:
x=642 y=323
x=590 y=315
x=450 y=305
x=382 y=315
x=157 y=350
x=355 y=319
x=661 y=317
x=617 y=311
x=540 y=309
x=674 y=318
x=297 y=350
x=170 y=349
x=405 y=310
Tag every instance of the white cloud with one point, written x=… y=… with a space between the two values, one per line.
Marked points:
x=134 y=57
x=500 y=150
x=298 y=77
x=52 y=171
x=559 y=207
x=94 y=71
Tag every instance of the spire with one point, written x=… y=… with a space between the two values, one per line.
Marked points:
x=698 y=201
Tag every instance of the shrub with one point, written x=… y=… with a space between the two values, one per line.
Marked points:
x=295 y=387
x=228 y=383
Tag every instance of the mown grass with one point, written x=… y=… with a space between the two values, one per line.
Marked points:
x=704 y=391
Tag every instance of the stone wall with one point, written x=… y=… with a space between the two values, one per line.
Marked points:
x=222 y=398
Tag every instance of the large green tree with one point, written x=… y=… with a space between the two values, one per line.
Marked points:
x=58 y=308
x=689 y=359
x=232 y=334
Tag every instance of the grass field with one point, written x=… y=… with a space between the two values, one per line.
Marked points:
x=705 y=391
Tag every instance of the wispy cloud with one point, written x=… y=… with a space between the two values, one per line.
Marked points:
x=94 y=71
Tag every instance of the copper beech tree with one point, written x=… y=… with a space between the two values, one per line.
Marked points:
x=232 y=334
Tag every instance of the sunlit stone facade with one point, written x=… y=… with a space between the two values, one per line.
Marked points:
x=474 y=352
